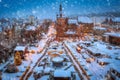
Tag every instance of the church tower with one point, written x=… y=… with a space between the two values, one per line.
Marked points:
x=61 y=22
x=60 y=11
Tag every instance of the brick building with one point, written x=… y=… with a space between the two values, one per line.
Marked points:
x=112 y=38
x=87 y=24
x=72 y=27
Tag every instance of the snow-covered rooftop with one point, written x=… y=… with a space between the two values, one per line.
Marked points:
x=113 y=34
x=57 y=59
x=70 y=32
x=116 y=19
x=99 y=19
x=31 y=28
x=20 y=48
x=85 y=19
x=99 y=28
x=72 y=21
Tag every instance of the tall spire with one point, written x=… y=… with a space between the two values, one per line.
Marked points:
x=60 y=9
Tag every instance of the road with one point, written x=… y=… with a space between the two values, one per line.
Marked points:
x=77 y=65
x=93 y=69
x=39 y=60
x=42 y=45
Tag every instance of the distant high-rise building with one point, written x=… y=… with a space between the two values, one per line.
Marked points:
x=31 y=19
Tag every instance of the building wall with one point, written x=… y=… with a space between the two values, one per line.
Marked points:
x=114 y=40
x=61 y=25
x=87 y=27
x=105 y=38
x=111 y=39
x=99 y=32
x=62 y=21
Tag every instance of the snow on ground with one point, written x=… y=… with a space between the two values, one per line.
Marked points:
x=44 y=77
x=15 y=76
x=93 y=69
x=20 y=48
x=97 y=71
x=102 y=48
x=31 y=60
x=59 y=73
x=42 y=44
x=46 y=68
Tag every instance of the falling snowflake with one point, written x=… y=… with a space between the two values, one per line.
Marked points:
x=75 y=2
x=34 y=12
x=108 y=1
x=66 y=2
x=53 y=8
x=6 y=5
x=37 y=7
x=82 y=0
x=72 y=5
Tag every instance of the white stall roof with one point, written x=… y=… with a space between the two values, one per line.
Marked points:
x=62 y=73
x=57 y=59
x=20 y=48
